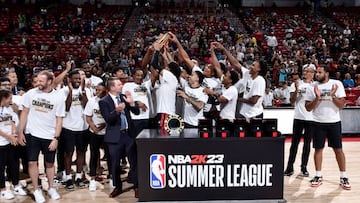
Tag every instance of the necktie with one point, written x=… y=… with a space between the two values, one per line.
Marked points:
x=122 y=116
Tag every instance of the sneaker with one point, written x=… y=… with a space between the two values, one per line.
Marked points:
x=316 y=181
x=79 y=183
x=304 y=172
x=288 y=172
x=39 y=198
x=124 y=163
x=344 y=182
x=92 y=185
x=57 y=181
x=111 y=184
x=53 y=194
x=18 y=190
x=69 y=185
x=7 y=194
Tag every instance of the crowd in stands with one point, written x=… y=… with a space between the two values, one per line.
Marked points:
x=285 y=40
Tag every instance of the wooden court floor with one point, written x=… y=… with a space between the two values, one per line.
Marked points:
x=296 y=188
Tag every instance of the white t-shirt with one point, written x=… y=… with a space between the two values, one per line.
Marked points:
x=74 y=119
x=268 y=99
x=300 y=111
x=7 y=118
x=240 y=56
x=43 y=110
x=213 y=84
x=227 y=111
x=191 y=115
x=92 y=109
x=326 y=111
x=93 y=81
x=285 y=95
x=166 y=93
x=139 y=92
x=17 y=99
x=254 y=87
x=272 y=41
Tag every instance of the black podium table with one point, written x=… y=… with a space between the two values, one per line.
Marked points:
x=184 y=167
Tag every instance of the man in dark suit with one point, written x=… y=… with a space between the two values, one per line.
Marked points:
x=115 y=108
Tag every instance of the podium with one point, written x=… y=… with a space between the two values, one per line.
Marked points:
x=186 y=167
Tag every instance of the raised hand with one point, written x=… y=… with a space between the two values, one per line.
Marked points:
x=129 y=99
x=68 y=66
x=120 y=107
x=69 y=84
x=173 y=37
x=333 y=89
x=296 y=86
x=157 y=46
x=217 y=45
x=317 y=91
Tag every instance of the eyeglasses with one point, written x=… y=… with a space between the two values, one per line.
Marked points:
x=5 y=84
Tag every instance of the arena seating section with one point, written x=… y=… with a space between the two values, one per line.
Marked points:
x=40 y=36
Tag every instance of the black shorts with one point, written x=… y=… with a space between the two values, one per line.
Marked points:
x=331 y=131
x=71 y=139
x=34 y=145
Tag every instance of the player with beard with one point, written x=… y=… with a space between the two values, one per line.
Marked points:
x=91 y=81
x=74 y=128
x=326 y=100
x=42 y=114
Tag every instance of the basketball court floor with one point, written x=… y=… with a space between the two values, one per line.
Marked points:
x=296 y=188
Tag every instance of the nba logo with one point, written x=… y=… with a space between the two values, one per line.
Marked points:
x=157 y=171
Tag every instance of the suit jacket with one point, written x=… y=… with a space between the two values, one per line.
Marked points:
x=112 y=118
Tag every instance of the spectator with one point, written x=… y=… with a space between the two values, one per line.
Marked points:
x=268 y=98
x=348 y=82
x=284 y=94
